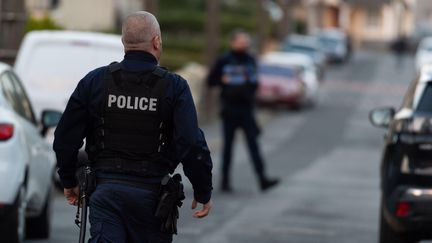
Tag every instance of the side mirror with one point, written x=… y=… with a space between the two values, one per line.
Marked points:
x=382 y=117
x=50 y=119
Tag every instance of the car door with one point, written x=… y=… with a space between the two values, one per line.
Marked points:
x=41 y=161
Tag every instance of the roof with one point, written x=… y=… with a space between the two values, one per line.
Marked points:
x=287 y=58
x=426 y=41
x=90 y=37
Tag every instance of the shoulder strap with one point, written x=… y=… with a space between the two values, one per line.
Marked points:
x=115 y=66
x=160 y=72
x=161 y=84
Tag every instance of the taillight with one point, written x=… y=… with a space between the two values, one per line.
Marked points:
x=403 y=209
x=6 y=131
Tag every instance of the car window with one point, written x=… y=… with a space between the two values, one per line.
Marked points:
x=8 y=91
x=425 y=103
x=16 y=96
x=409 y=97
x=46 y=71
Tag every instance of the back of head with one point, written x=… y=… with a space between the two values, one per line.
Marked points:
x=141 y=32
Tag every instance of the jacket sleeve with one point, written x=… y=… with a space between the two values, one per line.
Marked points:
x=191 y=146
x=70 y=133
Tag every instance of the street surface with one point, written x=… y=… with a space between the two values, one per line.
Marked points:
x=327 y=156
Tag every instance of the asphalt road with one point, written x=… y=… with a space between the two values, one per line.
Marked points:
x=327 y=157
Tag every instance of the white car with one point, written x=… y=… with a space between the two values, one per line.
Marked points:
x=307 y=45
x=424 y=53
x=334 y=44
x=309 y=72
x=51 y=63
x=27 y=163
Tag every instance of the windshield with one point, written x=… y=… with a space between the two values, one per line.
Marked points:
x=274 y=70
x=57 y=67
x=309 y=51
x=329 y=43
x=425 y=103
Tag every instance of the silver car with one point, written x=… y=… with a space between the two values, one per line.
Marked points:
x=27 y=163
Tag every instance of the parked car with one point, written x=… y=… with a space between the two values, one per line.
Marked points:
x=307 y=45
x=280 y=84
x=424 y=53
x=27 y=163
x=406 y=166
x=335 y=45
x=51 y=63
x=306 y=69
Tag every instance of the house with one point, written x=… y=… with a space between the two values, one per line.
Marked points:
x=94 y=15
x=366 y=21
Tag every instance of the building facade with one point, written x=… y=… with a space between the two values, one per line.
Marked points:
x=366 y=21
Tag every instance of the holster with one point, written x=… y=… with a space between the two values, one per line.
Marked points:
x=86 y=179
x=170 y=200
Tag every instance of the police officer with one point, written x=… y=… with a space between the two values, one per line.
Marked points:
x=235 y=72
x=139 y=122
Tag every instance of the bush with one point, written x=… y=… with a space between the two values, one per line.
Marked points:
x=175 y=59
x=45 y=23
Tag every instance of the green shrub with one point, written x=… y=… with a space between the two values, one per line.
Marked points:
x=45 y=23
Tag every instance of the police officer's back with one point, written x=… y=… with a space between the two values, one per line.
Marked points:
x=139 y=122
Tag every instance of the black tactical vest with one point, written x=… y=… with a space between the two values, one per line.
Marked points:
x=131 y=120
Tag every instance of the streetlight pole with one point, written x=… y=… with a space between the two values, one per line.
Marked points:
x=262 y=25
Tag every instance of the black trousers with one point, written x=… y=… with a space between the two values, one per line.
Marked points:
x=245 y=121
x=124 y=214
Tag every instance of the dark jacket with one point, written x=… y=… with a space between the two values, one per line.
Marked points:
x=188 y=141
x=241 y=70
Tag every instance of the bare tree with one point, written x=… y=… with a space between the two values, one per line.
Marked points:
x=12 y=24
x=262 y=25
x=212 y=30
x=208 y=105
x=151 y=6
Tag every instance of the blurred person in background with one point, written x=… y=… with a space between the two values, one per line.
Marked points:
x=236 y=74
x=139 y=121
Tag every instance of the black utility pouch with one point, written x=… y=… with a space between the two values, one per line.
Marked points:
x=86 y=179
x=170 y=199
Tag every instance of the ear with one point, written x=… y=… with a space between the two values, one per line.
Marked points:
x=157 y=43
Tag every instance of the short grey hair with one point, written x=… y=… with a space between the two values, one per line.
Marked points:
x=138 y=30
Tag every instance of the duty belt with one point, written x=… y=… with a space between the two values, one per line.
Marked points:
x=133 y=166
x=154 y=187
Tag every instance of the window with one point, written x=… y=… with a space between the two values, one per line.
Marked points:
x=425 y=104
x=373 y=17
x=16 y=96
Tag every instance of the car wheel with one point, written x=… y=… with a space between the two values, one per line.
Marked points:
x=12 y=228
x=39 y=227
x=388 y=235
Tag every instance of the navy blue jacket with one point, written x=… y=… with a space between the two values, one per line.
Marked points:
x=84 y=106
x=241 y=68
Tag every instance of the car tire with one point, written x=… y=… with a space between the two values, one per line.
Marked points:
x=12 y=228
x=39 y=227
x=388 y=235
